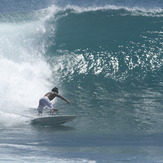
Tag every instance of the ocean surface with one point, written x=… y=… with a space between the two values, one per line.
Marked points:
x=105 y=56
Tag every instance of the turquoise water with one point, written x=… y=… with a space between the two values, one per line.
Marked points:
x=105 y=57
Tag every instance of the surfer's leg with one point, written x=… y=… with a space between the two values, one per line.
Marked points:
x=41 y=106
x=53 y=110
x=39 y=112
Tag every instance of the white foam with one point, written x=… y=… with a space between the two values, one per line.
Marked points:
x=132 y=10
x=18 y=159
x=25 y=75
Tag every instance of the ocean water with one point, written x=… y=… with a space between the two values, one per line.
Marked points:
x=105 y=56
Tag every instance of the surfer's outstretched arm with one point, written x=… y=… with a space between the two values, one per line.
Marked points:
x=63 y=98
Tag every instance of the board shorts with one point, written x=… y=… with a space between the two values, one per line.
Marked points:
x=44 y=102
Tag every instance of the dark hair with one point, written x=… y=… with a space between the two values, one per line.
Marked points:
x=55 y=89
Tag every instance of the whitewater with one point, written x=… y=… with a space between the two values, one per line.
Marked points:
x=105 y=57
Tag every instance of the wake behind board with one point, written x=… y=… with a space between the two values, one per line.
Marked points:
x=52 y=121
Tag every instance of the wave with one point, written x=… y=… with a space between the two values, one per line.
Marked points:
x=122 y=10
x=110 y=42
x=94 y=54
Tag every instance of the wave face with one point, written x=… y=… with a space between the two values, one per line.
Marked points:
x=106 y=58
x=111 y=42
x=110 y=61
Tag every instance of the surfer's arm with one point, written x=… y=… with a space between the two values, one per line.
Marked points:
x=63 y=98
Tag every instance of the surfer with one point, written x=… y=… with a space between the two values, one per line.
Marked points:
x=46 y=101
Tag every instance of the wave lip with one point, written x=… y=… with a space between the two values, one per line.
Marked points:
x=135 y=11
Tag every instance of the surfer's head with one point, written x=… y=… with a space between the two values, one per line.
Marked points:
x=55 y=89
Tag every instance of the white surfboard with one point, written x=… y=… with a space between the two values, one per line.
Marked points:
x=53 y=120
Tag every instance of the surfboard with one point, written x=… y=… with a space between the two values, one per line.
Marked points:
x=53 y=120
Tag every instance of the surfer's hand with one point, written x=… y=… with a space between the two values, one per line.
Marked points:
x=68 y=102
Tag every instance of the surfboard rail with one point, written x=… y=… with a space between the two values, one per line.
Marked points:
x=53 y=120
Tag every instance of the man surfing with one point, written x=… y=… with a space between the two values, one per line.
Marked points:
x=46 y=101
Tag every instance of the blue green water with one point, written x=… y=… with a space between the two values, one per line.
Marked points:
x=104 y=56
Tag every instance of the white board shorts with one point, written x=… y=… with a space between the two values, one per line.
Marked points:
x=44 y=102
